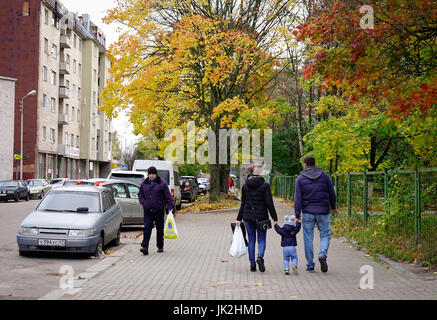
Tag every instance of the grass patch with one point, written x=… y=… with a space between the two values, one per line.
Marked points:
x=202 y=204
x=394 y=238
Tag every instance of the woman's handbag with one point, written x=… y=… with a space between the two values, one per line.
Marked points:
x=263 y=224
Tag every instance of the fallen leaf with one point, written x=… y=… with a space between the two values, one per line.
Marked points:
x=224 y=261
x=293 y=297
x=259 y=285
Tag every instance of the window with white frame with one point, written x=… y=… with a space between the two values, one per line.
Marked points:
x=74 y=65
x=77 y=141
x=46 y=46
x=54 y=78
x=53 y=105
x=52 y=135
x=66 y=138
x=44 y=73
x=54 y=51
x=72 y=140
x=44 y=100
x=73 y=113
x=44 y=133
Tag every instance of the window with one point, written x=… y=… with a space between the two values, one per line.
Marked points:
x=44 y=73
x=94 y=119
x=55 y=21
x=93 y=143
x=94 y=98
x=74 y=65
x=105 y=201
x=65 y=138
x=44 y=134
x=72 y=140
x=46 y=46
x=46 y=16
x=52 y=135
x=52 y=105
x=95 y=75
x=78 y=94
x=118 y=190
x=133 y=191
x=95 y=51
x=80 y=45
x=68 y=60
x=74 y=41
x=26 y=9
x=78 y=114
x=67 y=84
x=73 y=113
x=67 y=110
x=54 y=51
x=74 y=91
x=44 y=100
x=77 y=141
x=53 y=80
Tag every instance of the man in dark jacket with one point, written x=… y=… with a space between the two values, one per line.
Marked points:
x=315 y=197
x=256 y=203
x=154 y=196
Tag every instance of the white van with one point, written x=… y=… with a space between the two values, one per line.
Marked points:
x=166 y=170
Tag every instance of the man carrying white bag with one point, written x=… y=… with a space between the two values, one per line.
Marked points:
x=238 y=246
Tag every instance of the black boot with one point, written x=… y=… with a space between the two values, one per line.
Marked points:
x=261 y=266
x=145 y=251
x=160 y=250
x=253 y=267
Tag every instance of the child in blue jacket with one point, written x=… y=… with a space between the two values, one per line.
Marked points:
x=288 y=242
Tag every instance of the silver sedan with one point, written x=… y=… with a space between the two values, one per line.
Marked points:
x=126 y=195
x=38 y=187
x=72 y=219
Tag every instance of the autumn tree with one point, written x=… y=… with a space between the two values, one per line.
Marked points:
x=207 y=61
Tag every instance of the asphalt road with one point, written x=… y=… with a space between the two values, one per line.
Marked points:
x=35 y=276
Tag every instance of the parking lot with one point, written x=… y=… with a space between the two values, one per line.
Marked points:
x=34 y=276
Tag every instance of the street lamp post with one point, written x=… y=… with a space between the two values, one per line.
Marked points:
x=31 y=93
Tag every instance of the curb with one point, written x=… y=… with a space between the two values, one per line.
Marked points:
x=91 y=272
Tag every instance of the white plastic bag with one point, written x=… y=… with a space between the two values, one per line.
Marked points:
x=170 y=231
x=238 y=246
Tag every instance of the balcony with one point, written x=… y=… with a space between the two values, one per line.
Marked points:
x=63 y=119
x=64 y=93
x=68 y=151
x=64 y=68
x=65 y=42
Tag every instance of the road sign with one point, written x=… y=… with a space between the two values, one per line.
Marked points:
x=124 y=167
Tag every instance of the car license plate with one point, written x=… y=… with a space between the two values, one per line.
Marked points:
x=51 y=243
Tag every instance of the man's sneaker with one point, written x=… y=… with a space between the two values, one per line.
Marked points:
x=160 y=250
x=323 y=264
x=310 y=269
x=295 y=270
x=260 y=262
x=253 y=267
x=145 y=251
x=286 y=271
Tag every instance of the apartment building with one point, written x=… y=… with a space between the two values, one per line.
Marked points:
x=62 y=56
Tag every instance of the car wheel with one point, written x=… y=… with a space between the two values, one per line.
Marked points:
x=17 y=197
x=99 y=248
x=23 y=253
x=27 y=197
x=179 y=206
x=116 y=241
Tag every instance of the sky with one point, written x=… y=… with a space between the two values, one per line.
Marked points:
x=97 y=11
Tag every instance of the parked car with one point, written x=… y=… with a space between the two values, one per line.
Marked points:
x=167 y=170
x=126 y=195
x=72 y=219
x=204 y=185
x=189 y=189
x=38 y=187
x=58 y=182
x=14 y=189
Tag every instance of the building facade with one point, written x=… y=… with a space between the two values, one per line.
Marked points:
x=62 y=56
x=7 y=102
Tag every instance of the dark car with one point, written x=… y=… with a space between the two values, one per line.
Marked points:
x=14 y=189
x=189 y=189
x=204 y=185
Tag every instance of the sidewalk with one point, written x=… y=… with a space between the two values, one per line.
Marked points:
x=198 y=266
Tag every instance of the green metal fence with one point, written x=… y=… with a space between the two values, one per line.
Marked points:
x=405 y=199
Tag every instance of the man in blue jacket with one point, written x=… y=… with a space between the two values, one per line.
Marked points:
x=315 y=198
x=154 y=196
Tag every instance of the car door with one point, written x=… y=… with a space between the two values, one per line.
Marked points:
x=136 y=207
x=22 y=189
x=121 y=197
x=108 y=227
x=116 y=216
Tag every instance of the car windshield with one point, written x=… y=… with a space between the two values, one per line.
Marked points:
x=131 y=177
x=11 y=183
x=70 y=201
x=202 y=180
x=56 y=181
x=34 y=183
